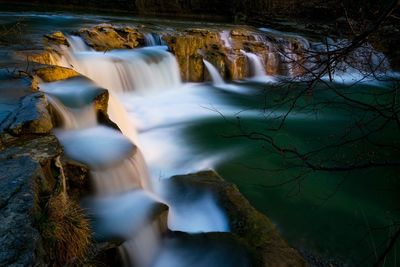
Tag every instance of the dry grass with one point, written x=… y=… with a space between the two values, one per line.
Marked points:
x=65 y=231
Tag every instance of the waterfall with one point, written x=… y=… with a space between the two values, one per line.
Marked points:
x=72 y=118
x=153 y=39
x=120 y=116
x=226 y=38
x=256 y=66
x=118 y=172
x=125 y=203
x=215 y=76
x=77 y=44
x=142 y=71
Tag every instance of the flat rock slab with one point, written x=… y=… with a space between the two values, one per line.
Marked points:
x=30 y=116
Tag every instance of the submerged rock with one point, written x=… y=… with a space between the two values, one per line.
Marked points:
x=267 y=247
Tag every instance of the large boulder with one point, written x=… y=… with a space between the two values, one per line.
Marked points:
x=107 y=37
x=255 y=229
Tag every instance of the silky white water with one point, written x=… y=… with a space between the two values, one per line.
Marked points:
x=215 y=76
x=148 y=102
x=118 y=170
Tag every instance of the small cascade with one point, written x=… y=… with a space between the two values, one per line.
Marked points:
x=121 y=169
x=142 y=71
x=256 y=66
x=215 y=76
x=226 y=38
x=72 y=100
x=126 y=203
x=120 y=116
x=118 y=172
x=147 y=240
x=77 y=44
x=74 y=118
x=153 y=39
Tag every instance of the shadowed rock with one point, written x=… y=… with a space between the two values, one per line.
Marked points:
x=30 y=117
x=18 y=237
x=268 y=248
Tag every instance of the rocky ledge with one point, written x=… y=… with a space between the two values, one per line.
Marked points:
x=224 y=48
x=31 y=168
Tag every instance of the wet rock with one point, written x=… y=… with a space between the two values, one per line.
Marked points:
x=91 y=95
x=46 y=57
x=56 y=38
x=55 y=73
x=217 y=59
x=106 y=37
x=221 y=47
x=23 y=166
x=192 y=45
x=39 y=149
x=187 y=47
x=255 y=229
x=30 y=117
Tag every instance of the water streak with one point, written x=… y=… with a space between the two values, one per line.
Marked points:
x=215 y=76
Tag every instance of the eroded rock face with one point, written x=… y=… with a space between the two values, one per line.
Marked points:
x=18 y=238
x=268 y=248
x=23 y=163
x=225 y=49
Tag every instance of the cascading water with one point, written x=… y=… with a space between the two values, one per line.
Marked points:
x=120 y=207
x=117 y=168
x=215 y=76
x=153 y=39
x=143 y=70
x=256 y=66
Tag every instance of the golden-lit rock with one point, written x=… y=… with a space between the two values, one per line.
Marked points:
x=55 y=73
x=106 y=37
x=56 y=38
